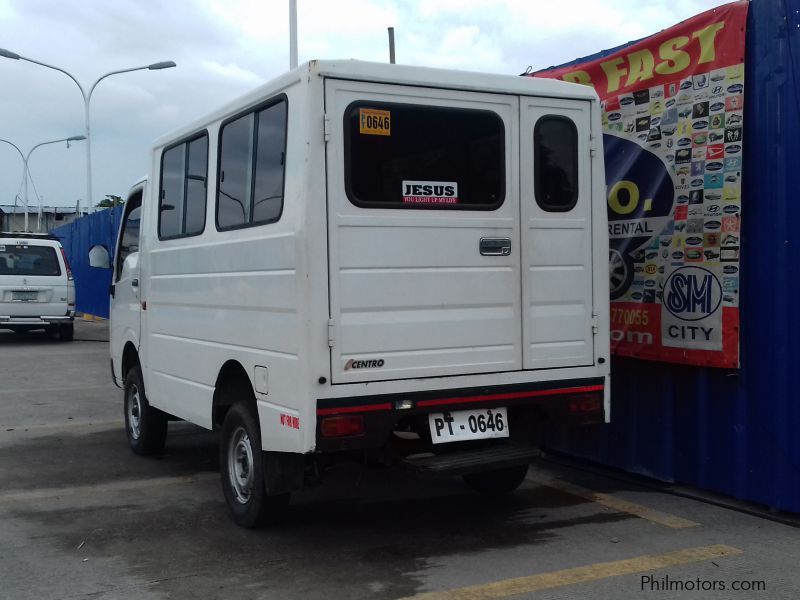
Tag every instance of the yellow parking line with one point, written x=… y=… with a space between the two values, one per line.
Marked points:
x=554 y=579
x=652 y=515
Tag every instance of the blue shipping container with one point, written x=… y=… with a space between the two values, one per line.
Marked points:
x=733 y=432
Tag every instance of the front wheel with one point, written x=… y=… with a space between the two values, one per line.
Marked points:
x=146 y=427
x=242 y=471
x=501 y=481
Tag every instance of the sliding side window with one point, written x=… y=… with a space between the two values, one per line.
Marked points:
x=182 y=203
x=251 y=167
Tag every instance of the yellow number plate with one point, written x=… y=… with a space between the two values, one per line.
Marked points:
x=372 y=121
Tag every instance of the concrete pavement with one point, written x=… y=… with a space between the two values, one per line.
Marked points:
x=82 y=517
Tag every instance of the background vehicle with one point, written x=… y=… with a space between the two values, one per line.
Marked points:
x=36 y=286
x=361 y=261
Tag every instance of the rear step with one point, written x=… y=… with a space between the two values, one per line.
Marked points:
x=472 y=461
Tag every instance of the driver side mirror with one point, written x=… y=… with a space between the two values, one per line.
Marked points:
x=99 y=258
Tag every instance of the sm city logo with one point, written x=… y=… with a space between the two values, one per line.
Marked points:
x=692 y=293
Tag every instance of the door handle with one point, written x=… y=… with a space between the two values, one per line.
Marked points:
x=495 y=247
x=135 y=282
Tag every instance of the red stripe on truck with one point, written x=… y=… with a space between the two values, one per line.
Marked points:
x=463 y=400
x=510 y=396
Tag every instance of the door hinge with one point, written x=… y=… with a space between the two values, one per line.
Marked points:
x=595 y=326
x=331 y=333
x=326 y=128
x=592 y=146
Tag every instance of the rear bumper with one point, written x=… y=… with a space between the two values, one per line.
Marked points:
x=529 y=405
x=42 y=321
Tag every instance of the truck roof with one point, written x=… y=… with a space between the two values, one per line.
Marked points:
x=357 y=70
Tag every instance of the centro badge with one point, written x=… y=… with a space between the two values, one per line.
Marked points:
x=363 y=364
x=692 y=293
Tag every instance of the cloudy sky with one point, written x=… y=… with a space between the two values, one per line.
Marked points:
x=224 y=48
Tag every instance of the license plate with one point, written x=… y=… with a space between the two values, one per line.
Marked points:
x=25 y=296
x=468 y=425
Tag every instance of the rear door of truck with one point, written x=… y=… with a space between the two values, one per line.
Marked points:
x=427 y=276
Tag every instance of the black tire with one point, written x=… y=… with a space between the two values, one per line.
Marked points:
x=501 y=481
x=145 y=426
x=242 y=471
x=66 y=333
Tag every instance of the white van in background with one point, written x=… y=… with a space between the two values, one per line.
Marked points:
x=372 y=262
x=36 y=286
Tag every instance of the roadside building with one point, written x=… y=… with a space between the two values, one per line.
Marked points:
x=12 y=218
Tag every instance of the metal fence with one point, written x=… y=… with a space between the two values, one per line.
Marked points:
x=91 y=284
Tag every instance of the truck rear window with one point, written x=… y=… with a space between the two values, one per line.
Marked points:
x=25 y=259
x=423 y=157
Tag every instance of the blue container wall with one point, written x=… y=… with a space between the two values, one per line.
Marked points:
x=78 y=237
x=734 y=432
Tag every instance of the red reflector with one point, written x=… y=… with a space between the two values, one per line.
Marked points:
x=343 y=426
x=586 y=404
x=66 y=263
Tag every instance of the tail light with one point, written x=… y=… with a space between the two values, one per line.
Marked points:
x=586 y=404
x=66 y=262
x=343 y=426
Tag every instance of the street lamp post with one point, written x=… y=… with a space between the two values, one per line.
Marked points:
x=26 y=158
x=86 y=100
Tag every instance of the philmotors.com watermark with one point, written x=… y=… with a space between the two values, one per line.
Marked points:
x=665 y=583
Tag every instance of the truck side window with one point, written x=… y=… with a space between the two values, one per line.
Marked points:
x=251 y=167
x=412 y=156
x=182 y=199
x=555 y=141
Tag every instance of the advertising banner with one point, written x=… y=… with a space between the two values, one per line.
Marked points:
x=672 y=135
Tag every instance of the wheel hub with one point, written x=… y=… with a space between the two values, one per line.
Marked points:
x=134 y=413
x=240 y=465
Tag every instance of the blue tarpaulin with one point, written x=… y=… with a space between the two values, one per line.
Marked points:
x=78 y=237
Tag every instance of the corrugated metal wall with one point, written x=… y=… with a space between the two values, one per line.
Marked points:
x=734 y=432
x=91 y=285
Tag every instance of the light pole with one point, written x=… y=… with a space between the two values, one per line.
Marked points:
x=26 y=157
x=86 y=100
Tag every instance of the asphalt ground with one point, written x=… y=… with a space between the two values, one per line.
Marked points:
x=82 y=517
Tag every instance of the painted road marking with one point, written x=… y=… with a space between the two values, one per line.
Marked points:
x=101 y=488
x=594 y=572
x=618 y=504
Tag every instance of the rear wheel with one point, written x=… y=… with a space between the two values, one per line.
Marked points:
x=500 y=481
x=242 y=471
x=145 y=426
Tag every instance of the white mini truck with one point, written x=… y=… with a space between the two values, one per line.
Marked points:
x=373 y=262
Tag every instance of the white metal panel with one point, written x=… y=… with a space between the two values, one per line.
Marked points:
x=410 y=287
x=556 y=251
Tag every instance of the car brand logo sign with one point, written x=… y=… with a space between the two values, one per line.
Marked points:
x=692 y=293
